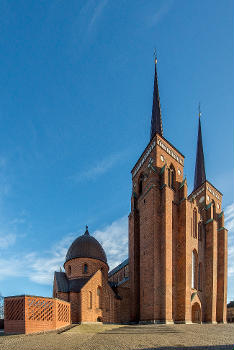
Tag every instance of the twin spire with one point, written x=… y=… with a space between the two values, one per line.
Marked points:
x=200 y=172
x=156 y=119
x=156 y=127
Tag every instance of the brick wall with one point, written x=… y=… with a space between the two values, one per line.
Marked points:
x=75 y=268
x=31 y=314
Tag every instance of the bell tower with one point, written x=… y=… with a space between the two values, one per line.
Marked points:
x=157 y=185
x=177 y=243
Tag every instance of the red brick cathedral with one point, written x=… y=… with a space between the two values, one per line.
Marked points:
x=177 y=266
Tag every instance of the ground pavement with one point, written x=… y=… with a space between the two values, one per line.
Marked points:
x=116 y=337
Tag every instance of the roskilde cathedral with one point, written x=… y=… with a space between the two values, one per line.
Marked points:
x=177 y=265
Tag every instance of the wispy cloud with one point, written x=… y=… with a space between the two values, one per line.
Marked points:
x=40 y=267
x=97 y=12
x=114 y=239
x=99 y=168
x=7 y=240
x=158 y=15
x=229 y=224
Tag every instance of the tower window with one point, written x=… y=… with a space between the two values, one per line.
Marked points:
x=194 y=269
x=140 y=185
x=200 y=230
x=171 y=177
x=195 y=223
x=69 y=270
x=85 y=268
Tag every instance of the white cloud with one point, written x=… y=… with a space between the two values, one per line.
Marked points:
x=229 y=224
x=162 y=12
x=114 y=239
x=40 y=267
x=229 y=217
x=7 y=240
x=100 y=167
x=98 y=10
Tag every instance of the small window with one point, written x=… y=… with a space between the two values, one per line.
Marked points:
x=69 y=270
x=99 y=297
x=90 y=300
x=85 y=268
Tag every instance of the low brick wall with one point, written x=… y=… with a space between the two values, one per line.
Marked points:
x=30 y=314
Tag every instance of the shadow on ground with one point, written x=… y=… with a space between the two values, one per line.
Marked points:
x=140 y=330
x=181 y=347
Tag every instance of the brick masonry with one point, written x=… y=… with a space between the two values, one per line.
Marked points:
x=32 y=314
x=173 y=236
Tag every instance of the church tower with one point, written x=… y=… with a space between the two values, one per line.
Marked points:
x=177 y=243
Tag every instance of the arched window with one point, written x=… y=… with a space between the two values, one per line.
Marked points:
x=195 y=223
x=194 y=270
x=99 y=297
x=200 y=276
x=90 y=300
x=171 y=177
x=200 y=231
x=85 y=268
x=69 y=270
x=140 y=185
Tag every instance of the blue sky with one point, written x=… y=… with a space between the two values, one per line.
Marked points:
x=76 y=80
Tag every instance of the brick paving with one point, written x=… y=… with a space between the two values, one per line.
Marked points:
x=116 y=337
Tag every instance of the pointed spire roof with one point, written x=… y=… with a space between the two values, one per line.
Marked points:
x=200 y=173
x=86 y=230
x=156 y=119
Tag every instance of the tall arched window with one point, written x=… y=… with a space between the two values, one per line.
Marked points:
x=194 y=270
x=99 y=297
x=200 y=276
x=200 y=230
x=140 y=185
x=171 y=177
x=85 y=268
x=195 y=223
x=90 y=300
x=69 y=270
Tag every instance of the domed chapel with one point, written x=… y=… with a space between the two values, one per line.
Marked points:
x=177 y=265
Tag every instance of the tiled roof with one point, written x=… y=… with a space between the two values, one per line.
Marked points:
x=119 y=267
x=64 y=285
x=231 y=304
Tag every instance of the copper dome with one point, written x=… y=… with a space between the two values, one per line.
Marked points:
x=86 y=246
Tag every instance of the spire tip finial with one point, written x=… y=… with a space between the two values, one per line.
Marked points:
x=155 y=56
x=199 y=110
x=86 y=230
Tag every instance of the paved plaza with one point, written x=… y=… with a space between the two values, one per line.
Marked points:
x=129 y=337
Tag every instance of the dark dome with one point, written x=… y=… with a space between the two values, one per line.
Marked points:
x=86 y=246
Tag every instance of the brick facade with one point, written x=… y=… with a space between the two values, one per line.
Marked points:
x=177 y=243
